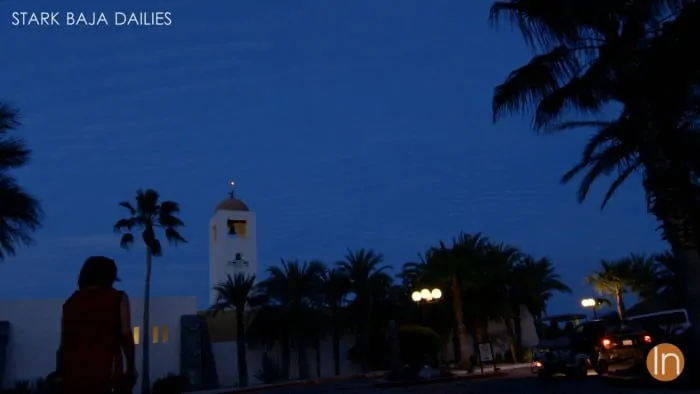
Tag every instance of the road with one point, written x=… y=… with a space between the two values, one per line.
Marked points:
x=530 y=385
x=518 y=382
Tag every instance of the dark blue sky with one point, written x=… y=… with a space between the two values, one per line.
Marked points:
x=361 y=125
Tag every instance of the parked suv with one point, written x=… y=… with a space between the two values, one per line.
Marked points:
x=624 y=348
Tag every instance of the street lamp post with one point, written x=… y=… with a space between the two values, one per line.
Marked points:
x=590 y=303
x=426 y=295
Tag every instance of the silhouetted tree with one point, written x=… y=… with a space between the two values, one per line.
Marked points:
x=148 y=215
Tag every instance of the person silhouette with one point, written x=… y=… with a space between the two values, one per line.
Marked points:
x=96 y=333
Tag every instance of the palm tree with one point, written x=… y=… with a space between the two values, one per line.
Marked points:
x=615 y=278
x=600 y=303
x=594 y=52
x=500 y=276
x=148 y=215
x=268 y=327
x=488 y=281
x=452 y=268
x=365 y=274
x=462 y=259
x=667 y=281
x=532 y=283
x=485 y=279
x=647 y=272
x=20 y=213
x=293 y=288
x=657 y=134
x=238 y=293
x=582 y=48
x=334 y=289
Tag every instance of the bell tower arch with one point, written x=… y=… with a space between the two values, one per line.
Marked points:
x=232 y=242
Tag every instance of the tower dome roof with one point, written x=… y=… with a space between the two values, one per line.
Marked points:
x=232 y=204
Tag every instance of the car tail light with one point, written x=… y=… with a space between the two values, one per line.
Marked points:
x=537 y=364
x=606 y=342
x=646 y=338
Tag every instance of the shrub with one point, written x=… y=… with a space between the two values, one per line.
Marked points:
x=379 y=352
x=522 y=354
x=16 y=390
x=419 y=345
x=171 y=384
x=508 y=355
x=37 y=386
x=270 y=371
x=22 y=387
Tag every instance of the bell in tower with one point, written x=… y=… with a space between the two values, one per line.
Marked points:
x=232 y=241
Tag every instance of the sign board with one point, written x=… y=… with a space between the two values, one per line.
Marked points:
x=486 y=352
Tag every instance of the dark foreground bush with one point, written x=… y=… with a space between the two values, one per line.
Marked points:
x=270 y=370
x=38 y=386
x=419 y=345
x=171 y=384
x=379 y=352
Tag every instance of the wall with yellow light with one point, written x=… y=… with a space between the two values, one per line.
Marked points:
x=35 y=332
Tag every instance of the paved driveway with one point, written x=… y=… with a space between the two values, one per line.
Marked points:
x=519 y=382
x=524 y=383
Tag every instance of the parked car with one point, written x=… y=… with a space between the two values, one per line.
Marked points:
x=672 y=321
x=624 y=349
x=560 y=350
x=588 y=339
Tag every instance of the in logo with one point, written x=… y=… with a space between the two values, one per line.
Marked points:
x=665 y=362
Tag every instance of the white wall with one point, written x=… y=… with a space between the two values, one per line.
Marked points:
x=499 y=337
x=227 y=365
x=223 y=248
x=527 y=328
x=164 y=312
x=227 y=369
x=35 y=334
x=35 y=330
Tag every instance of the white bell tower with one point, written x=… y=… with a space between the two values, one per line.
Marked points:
x=232 y=242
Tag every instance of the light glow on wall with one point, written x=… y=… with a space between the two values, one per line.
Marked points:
x=154 y=334
x=164 y=334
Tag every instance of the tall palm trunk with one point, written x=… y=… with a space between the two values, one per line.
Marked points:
x=673 y=200
x=366 y=338
x=479 y=330
x=517 y=331
x=479 y=337
x=336 y=349
x=689 y=267
x=317 y=344
x=302 y=360
x=459 y=320
x=512 y=338
x=241 y=347
x=286 y=356
x=620 y=303
x=145 y=345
